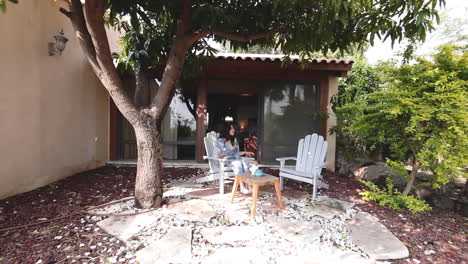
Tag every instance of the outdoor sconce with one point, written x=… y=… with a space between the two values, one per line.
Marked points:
x=56 y=48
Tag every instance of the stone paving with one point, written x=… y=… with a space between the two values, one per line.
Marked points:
x=199 y=225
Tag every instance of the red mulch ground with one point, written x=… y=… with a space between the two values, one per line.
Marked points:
x=443 y=232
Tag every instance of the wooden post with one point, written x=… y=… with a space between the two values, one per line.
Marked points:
x=201 y=117
x=324 y=105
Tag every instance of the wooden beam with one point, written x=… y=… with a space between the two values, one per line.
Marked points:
x=201 y=117
x=323 y=106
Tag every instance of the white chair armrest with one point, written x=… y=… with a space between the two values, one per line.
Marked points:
x=283 y=160
x=323 y=165
x=286 y=158
x=212 y=158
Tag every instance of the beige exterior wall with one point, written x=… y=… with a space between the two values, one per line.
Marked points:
x=331 y=122
x=53 y=110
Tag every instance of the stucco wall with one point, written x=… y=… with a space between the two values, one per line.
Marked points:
x=53 y=110
x=331 y=122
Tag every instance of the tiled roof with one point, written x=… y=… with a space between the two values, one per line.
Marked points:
x=275 y=58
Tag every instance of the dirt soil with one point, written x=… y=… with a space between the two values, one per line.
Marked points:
x=437 y=236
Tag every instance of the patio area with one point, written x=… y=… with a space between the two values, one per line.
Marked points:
x=199 y=225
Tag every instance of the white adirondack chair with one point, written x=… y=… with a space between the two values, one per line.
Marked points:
x=216 y=172
x=310 y=161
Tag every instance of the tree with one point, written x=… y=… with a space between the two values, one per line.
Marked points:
x=420 y=114
x=347 y=104
x=170 y=33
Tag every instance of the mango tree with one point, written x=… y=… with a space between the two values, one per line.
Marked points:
x=173 y=32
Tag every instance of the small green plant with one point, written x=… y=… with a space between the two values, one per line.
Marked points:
x=392 y=198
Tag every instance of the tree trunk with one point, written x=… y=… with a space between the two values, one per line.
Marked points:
x=410 y=183
x=142 y=90
x=148 y=185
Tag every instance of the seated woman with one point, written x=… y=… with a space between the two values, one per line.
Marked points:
x=227 y=147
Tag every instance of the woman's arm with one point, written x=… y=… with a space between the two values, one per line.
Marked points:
x=247 y=153
x=220 y=145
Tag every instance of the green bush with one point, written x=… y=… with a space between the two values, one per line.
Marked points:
x=392 y=198
x=414 y=115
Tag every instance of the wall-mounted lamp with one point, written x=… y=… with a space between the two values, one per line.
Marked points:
x=56 y=48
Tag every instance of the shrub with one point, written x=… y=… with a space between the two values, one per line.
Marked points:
x=392 y=198
x=418 y=116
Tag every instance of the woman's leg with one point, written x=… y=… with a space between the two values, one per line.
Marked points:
x=239 y=167
x=245 y=188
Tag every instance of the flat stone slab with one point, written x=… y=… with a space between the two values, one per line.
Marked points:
x=237 y=212
x=174 y=247
x=329 y=256
x=328 y=207
x=375 y=239
x=271 y=206
x=229 y=234
x=300 y=232
x=235 y=256
x=192 y=210
x=124 y=227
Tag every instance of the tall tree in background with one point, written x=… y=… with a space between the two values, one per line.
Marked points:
x=174 y=32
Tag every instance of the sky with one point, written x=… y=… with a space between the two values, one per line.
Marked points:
x=453 y=9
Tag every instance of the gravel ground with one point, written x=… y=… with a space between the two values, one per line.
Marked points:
x=432 y=237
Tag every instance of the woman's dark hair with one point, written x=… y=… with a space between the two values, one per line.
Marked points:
x=224 y=132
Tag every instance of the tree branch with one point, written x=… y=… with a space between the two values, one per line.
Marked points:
x=142 y=90
x=190 y=108
x=174 y=64
x=102 y=60
x=242 y=38
x=78 y=21
x=65 y=12
x=231 y=36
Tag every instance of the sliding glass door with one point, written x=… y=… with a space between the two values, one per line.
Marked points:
x=290 y=110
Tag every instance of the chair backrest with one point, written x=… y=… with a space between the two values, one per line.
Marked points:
x=311 y=152
x=210 y=145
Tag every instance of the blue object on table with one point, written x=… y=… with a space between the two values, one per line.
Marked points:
x=258 y=173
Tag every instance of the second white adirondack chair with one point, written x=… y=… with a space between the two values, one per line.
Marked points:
x=218 y=170
x=310 y=161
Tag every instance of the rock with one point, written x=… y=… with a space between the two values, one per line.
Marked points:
x=375 y=239
x=429 y=252
x=344 y=166
x=235 y=256
x=124 y=227
x=229 y=235
x=192 y=210
x=378 y=173
x=174 y=247
x=298 y=232
x=293 y=194
x=237 y=212
x=442 y=201
x=270 y=206
x=328 y=207
x=325 y=256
